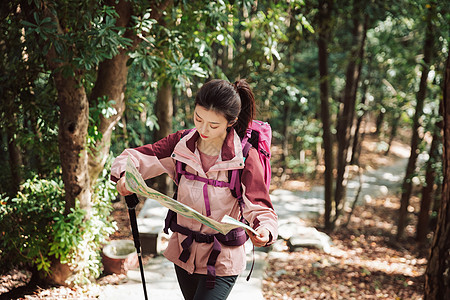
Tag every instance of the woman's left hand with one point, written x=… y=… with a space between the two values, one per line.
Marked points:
x=262 y=239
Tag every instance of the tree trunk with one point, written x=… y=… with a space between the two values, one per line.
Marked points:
x=428 y=189
x=126 y=142
x=345 y=120
x=78 y=169
x=437 y=275
x=285 y=145
x=393 y=133
x=415 y=139
x=111 y=81
x=164 y=113
x=379 y=122
x=325 y=8
x=35 y=160
x=15 y=157
x=73 y=125
x=356 y=124
x=436 y=205
x=359 y=137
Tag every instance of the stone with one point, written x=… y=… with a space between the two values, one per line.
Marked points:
x=310 y=237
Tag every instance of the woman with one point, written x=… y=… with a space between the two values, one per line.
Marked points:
x=207 y=265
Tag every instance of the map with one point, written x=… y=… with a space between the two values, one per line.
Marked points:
x=136 y=184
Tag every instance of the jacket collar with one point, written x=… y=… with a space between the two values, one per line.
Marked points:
x=228 y=148
x=230 y=157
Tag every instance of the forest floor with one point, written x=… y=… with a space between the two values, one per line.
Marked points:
x=365 y=261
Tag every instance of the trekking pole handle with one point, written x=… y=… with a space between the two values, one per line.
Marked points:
x=132 y=200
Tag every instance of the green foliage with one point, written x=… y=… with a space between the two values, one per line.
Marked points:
x=28 y=221
x=85 y=35
x=103 y=108
x=36 y=232
x=93 y=232
x=32 y=115
x=177 y=50
x=138 y=120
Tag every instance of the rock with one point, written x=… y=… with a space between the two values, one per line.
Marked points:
x=279 y=246
x=302 y=236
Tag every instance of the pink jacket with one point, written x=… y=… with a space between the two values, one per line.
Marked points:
x=154 y=159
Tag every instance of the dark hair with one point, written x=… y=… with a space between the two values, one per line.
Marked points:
x=232 y=100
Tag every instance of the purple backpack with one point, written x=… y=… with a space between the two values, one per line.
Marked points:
x=259 y=135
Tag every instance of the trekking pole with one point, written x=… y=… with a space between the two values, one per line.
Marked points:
x=132 y=200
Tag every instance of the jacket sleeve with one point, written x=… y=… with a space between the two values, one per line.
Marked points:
x=258 y=209
x=150 y=160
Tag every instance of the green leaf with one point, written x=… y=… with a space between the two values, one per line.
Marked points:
x=28 y=24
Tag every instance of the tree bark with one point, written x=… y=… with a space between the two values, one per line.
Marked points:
x=393 y=133
x=325 y=8
x=379 y=122
x=164 y=113
x=359 y=137
x=428 y=190
x=73 y=125
x=111 y=81
x=15 y=156
x=35 y=160
x=285 y=145
x=346 y=116
x=415 y=139
x=437 y=275
x=80 y=170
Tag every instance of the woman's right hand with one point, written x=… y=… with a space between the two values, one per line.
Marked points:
x=120 y=186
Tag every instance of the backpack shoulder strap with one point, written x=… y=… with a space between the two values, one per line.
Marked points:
x=179 y=166
x=186 y=132
x=246 y=149
x=234 y=176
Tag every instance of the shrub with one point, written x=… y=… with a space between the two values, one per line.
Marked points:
x=27 y=222
x=35 y=230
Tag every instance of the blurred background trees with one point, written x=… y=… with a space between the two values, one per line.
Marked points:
x=81 y=80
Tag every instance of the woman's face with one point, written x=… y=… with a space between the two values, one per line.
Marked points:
x=210 y=124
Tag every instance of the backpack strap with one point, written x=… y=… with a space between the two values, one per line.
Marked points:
x=236 y=175
x=183 y=166
x=235 y=237
x=206 y=181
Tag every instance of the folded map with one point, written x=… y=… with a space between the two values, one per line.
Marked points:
x=136 y=184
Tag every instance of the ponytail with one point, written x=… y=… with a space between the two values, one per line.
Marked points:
x=232 y=100
x=247 y=112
